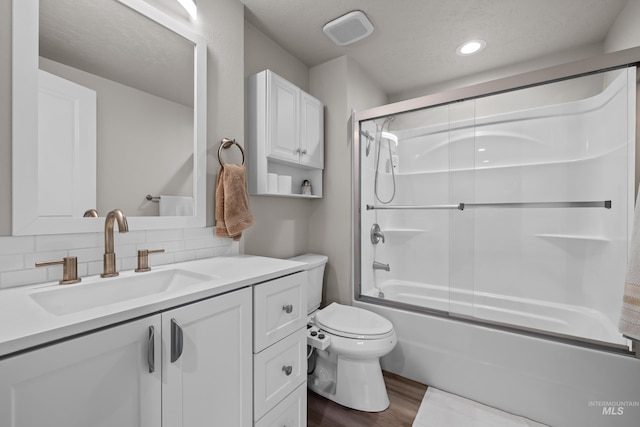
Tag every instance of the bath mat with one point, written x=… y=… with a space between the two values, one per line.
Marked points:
x=442 y=409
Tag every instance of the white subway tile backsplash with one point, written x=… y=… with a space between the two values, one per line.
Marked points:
x=17 y=245
x=86 y=255
x=19 y=254
x=205 y=253
x=11 y=262
x=56 y=242
x=185 y=256
x=199 y=233
x=164 y=235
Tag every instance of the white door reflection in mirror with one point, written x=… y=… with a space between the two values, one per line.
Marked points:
x=66 y=147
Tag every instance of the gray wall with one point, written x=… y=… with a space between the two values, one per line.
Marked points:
x=5 y=117
x=342 y=86
x=282 y=225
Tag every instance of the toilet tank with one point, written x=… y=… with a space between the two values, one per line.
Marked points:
x=315 y=270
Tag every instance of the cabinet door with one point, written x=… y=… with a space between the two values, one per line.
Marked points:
x=99 y=380
x=282 y=121
x=311 y=131
x=209 y=382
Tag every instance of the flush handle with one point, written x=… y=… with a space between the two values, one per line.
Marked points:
x=287 y=308
x=287 y=370
x=176 y=341
x=151 y=358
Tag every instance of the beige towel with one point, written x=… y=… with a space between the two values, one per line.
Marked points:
x=630 y=317
x=232 y=202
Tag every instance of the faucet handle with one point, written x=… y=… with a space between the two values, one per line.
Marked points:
x=143 y=259
x=69 y=269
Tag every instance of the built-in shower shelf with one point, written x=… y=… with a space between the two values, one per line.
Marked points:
x=576 y=237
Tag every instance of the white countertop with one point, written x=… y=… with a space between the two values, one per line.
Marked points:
x=24 y=323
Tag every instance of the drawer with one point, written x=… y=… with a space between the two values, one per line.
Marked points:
x=279 y=308
x=291 y=412
x=278 y=370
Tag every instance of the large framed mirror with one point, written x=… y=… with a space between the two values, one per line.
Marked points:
x=109 y=106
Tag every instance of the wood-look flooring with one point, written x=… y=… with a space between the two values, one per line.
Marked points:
x=405 y=397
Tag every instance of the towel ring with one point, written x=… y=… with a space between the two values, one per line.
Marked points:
x=226 y=143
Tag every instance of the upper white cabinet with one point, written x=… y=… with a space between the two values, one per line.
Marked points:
x=286 y=137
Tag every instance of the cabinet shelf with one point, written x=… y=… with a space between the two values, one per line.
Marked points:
x=286 y=135
x=295 y=196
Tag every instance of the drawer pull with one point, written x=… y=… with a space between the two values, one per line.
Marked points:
x=151 y=356
x=287 y=370
x=287 y=308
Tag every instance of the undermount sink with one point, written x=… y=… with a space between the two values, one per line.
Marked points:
x=74 y=298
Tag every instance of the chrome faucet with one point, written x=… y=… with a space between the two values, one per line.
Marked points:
x=380 y=266
x=109 y=259
x=376 y=234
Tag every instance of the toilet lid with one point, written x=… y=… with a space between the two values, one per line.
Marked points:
x=353 y=322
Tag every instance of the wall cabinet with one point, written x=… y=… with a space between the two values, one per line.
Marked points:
x=286 y=135
x=190 y=366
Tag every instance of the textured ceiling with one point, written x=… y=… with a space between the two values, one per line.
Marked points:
x=414 y=41
x=106 y=38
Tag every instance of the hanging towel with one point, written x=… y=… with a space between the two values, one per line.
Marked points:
x=232 y=202
x=176 y=205
x=630 y=317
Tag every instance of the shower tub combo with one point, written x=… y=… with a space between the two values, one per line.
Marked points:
x=492 y=229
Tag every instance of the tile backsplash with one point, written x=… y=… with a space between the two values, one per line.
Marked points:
x=18 y=255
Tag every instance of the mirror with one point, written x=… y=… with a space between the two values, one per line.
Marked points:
x=126 y=75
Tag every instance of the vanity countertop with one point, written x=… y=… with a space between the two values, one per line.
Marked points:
x=24 y=323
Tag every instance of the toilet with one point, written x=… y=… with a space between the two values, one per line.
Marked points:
x=345 y=363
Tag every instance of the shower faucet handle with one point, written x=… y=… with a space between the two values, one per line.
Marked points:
x=376 y=234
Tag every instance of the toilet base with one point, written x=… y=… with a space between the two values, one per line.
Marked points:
x=354 y=383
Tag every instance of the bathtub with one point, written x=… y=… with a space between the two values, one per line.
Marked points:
x=562 y=319
x=552 y=382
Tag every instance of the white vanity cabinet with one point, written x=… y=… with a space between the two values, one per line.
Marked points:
x=126 y=376
x=286 y=134
x=206 y=362
x=279 y=347
x=100 y=379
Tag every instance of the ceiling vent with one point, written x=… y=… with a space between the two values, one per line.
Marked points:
x=348 y=28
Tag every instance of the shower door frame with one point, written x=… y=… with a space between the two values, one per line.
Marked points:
x=606 y=62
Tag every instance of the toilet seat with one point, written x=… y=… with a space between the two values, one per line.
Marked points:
x=353 y=322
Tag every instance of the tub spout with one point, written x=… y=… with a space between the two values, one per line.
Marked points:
x=380 y=266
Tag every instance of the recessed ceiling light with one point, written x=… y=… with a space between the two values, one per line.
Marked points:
x=470 y=47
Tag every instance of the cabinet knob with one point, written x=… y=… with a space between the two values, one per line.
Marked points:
x=303 y=152
x=287 y=308
x=287 y=370
x=69 y=269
